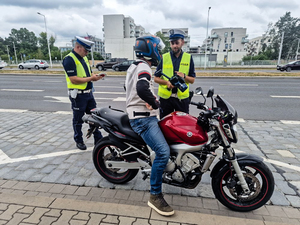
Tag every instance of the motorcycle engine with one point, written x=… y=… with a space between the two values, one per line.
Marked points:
x=188 y=163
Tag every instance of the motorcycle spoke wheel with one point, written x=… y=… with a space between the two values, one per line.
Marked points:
x=106 y=150
x=228 y=191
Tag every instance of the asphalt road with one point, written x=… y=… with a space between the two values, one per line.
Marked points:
x=254 y=98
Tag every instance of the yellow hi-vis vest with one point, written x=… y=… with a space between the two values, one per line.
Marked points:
x=80 y=72
x=167 y=68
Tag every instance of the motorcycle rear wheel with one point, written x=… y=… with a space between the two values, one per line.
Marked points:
x=106 y=150
x=259 y=179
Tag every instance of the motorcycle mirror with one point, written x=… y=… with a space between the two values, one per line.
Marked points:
x=210 y=92
x=199 y=91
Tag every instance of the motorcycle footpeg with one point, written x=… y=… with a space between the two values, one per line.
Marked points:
x=145 y=175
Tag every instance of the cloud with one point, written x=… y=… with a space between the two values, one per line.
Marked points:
x=53 y=4
x=279 y=4
x=67 y=18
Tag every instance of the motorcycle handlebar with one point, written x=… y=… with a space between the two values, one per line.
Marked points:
x=199 y=105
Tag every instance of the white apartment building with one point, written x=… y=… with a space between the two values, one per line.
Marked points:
x=229 y=43
x=120 y=33
x=254 y=46
x=186 y=46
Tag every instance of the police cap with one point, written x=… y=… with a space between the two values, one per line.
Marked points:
x=175 y=34
x=84 y=43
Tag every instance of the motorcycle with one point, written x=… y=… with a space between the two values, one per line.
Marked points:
x=241 y=182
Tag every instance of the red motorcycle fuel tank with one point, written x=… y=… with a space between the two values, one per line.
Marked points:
x=180 y=127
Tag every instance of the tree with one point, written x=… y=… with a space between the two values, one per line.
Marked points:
x=42 y=39
x=165 y=41
x=291 y=28
x=24 y=40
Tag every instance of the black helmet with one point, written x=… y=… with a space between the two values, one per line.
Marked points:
x=148 y=47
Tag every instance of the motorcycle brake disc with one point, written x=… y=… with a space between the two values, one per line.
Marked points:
x=254 y=186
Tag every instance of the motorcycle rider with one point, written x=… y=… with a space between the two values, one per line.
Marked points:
x=141 y=106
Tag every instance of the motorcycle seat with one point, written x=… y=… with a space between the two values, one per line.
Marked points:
x=119 y=119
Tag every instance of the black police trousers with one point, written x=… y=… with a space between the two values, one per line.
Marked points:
x=80 y=105
x=172 y=104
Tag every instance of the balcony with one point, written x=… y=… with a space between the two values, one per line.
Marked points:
x=244 y=40
x=214 y=36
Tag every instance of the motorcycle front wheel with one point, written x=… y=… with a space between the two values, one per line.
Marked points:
x=108 y=150
x=259 y=179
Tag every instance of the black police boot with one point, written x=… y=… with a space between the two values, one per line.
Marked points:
x=81 y=146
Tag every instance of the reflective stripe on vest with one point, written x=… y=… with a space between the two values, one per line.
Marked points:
x=80 y=72
x=167 y=68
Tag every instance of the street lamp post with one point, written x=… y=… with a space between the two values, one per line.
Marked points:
x=47 y=38
x=296 y=58
x=206 y=37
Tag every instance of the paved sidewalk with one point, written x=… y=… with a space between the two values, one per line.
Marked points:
x=39 y=162
x=27 y=203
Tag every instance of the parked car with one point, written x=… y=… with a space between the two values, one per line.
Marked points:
x=2 y=64
x=34 y=63
x=108 y=64
x=295 y=65
x=123 y=66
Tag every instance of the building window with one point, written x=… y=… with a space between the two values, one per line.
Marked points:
x=232 y=40
x=226 y=46
x=226 y=34
x=225 y=40
x=231 y=34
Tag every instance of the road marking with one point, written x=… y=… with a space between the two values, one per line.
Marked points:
x=282 y=164
x=13 y=110
x=67 y=100
x=114 y=93
x=278 y=96
x=120 y=99
x=59 y=99
x=5 y=159
x=251 y=85
x=292 y=122
x=29 y=90
x=104 y=98
x=275 y=162
x=63 y=112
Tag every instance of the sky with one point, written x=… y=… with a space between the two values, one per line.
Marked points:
x=66 y=19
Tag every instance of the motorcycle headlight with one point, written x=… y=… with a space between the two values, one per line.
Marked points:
x=231 y=132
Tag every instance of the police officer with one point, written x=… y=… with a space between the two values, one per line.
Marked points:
x=181 y=63
x=79 y=81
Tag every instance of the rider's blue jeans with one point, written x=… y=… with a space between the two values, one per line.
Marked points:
x=149 y=130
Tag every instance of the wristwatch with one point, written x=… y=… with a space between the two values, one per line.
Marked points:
x=184 y=76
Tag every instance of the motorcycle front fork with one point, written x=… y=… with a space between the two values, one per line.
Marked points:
x=238 y=170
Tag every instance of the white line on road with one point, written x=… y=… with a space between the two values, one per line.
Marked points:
x=114 y=93
x=4 y=159
x=278 y=96
x=13 y=110
x=119 y=99
x=29 y=90
x=290 y=122
x=251 y=85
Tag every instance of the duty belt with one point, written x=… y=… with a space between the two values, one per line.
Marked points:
x=141 y=113
x=83 y=91
x=174 y=95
